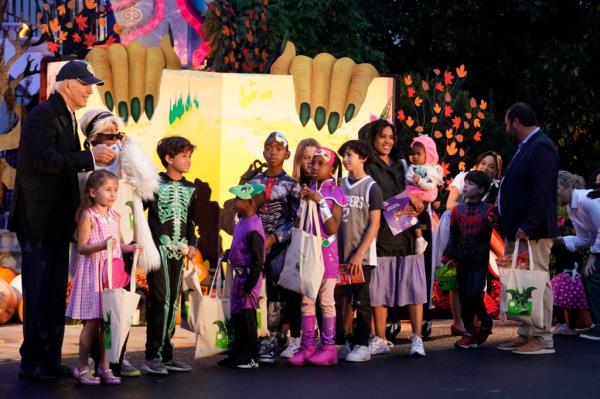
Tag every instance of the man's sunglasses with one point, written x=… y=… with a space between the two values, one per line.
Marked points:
x=111 y=136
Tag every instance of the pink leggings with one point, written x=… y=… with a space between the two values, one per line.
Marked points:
x=325 y=300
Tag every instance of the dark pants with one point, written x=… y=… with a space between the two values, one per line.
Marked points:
x=358 y=295
x=592 y=291
x=44 y=278
x=293 y=314
x=245 y=341
x=471 y=283
x=164 y=286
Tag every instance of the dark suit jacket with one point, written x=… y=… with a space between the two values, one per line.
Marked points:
x=528 y=198
x=46 y=193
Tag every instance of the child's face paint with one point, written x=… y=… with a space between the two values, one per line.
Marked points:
x=321 y=169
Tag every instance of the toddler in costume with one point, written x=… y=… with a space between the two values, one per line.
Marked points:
x=423 y=177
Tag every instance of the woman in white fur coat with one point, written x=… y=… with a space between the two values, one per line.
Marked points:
x=138 y=180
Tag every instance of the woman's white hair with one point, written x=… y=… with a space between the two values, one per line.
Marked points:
x=100 y=125
x=570 y=180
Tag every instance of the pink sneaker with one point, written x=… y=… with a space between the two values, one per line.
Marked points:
x=302 y=355
x=326 y=356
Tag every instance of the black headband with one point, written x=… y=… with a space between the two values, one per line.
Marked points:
x=100 y=116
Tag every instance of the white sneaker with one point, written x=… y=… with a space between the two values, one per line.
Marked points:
x=343 y=350
x=378 y=346
x=563 y=329
x=416 y=347
x=420 y=245
x=291 y=348
x=360 y=353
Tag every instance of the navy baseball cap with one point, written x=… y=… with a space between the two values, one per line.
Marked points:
x=80 y=70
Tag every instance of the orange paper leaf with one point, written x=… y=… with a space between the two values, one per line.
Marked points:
x=461 y=72
x=448 y=111
x=61 y=10
x=461 y=153
x=425 y=85
x=449 y=133
x=434 y=120
x=466 y=125
x=409 y=121
x=477 y=136
x=468 y=115
x=44 y=28
x=90 y=4
x=408 y=80
x=62 y=36
x=482 y=105
x=448 y=97
x=459 y=138
x=437 y=134
x=418 y=101
x=461 y=166
x=54 y=25
x=473 y=103
x=451 y=149
x=410 y=92
x=476 y=123
x=419 y=129
x=400 y=115
x=445 y=168
x=481 y=115
x=437 y=108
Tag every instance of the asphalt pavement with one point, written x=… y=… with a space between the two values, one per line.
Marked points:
x=573 y=372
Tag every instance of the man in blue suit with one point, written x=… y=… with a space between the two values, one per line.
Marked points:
x=527 y=203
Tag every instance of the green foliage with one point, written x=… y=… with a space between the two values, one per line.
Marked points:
x=246 y=34
x=542 y=52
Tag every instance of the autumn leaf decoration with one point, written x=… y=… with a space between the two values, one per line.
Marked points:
x=437 y=106
x=67 y=32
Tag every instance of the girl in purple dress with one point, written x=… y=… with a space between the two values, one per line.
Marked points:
x=330 y=199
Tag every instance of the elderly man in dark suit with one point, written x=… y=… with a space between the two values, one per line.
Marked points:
x=46 y=196
x=527 y=204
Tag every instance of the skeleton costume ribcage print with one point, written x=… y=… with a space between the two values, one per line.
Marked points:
x=170 y=217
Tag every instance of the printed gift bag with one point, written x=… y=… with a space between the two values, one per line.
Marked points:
x=304 y=268
x=118 y=308
x=446 y=277
x=214 y=321
x=523 y=291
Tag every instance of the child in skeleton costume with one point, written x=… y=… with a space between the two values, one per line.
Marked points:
x=170 y=217
x=138 y=181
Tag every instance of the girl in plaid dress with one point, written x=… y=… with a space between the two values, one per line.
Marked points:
x=97 y=224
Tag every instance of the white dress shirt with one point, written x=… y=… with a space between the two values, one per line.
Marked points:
x=585 y=215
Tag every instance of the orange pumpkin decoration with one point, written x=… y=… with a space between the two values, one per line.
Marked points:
x=17 y=287
x=20 y=311
x=7 y=274
x=8 y=301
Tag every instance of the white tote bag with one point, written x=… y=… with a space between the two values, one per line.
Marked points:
x=118 y=307
x=214 y=322
x=191 y=293
x=523 y=291
x=303 y=269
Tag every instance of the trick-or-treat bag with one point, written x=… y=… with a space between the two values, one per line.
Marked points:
x=304 y=267
x=118 y=307
x=214 y=332
x=523 y=291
